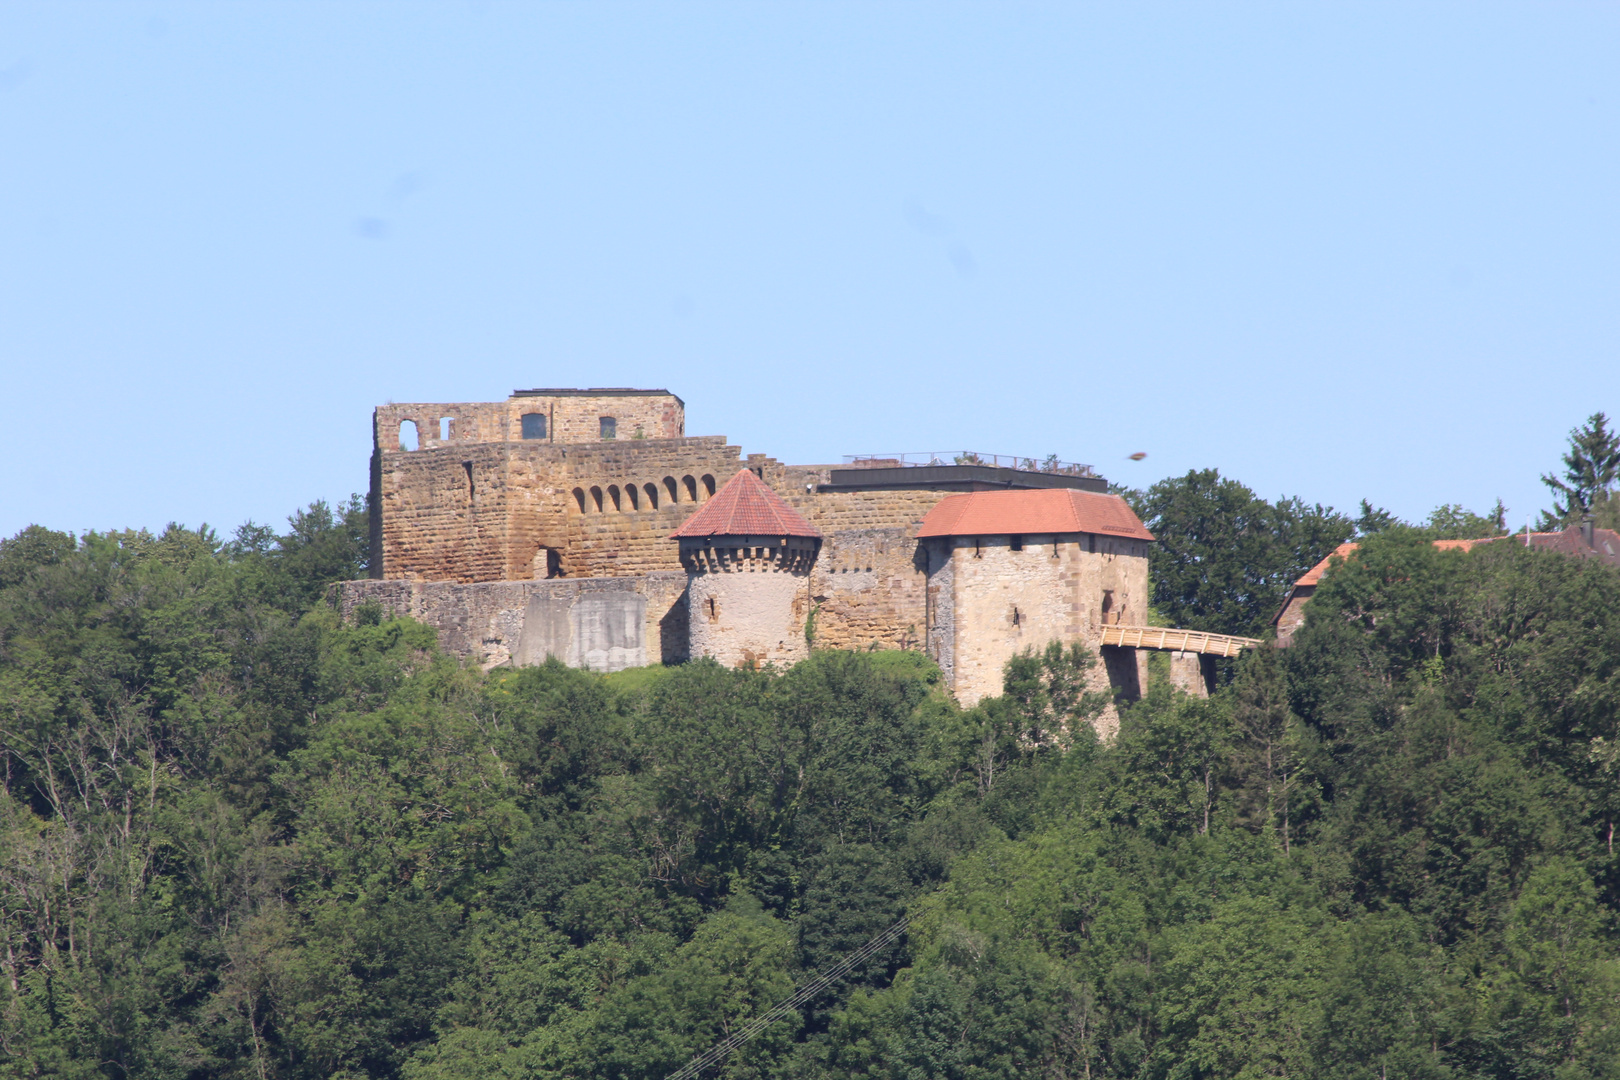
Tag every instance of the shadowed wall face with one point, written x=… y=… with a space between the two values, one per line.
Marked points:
x=598 y=632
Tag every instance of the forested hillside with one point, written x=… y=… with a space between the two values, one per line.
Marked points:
x=241 y=839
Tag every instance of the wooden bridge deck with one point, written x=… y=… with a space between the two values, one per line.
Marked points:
x=1158 y=637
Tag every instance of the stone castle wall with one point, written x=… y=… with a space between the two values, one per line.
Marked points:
x=517 y=549
x=570 y=418
x=528 y=510
x=606 y=624
x=514 y=511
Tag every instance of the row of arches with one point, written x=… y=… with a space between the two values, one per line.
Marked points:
x=631 y=498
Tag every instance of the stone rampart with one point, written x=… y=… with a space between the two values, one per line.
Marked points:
x=514 y=511
x=602 y=623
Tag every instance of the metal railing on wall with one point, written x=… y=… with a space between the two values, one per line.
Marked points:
x=1048 y=464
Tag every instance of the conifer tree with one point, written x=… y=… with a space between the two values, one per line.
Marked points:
x=1590 y=469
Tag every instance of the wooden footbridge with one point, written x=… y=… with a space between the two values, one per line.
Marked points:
x=1195 y=641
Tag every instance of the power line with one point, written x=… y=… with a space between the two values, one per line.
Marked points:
x=724 y=1048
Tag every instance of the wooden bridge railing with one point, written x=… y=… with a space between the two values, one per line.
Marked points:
x=1158 y=637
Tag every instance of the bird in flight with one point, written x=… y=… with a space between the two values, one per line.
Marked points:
x=1138 y=456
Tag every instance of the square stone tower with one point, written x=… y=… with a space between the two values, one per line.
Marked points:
x=1011 y=570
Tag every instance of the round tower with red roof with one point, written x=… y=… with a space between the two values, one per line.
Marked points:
x=747 y=556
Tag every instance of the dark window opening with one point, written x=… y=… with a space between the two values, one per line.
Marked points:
x=579 y=497
x=673 y=488
x=409 y=437
x=691 y=488
x=534 y=425
x=548 y=563
x=1107 y=604
x=652 y=495
x=1018 y=544
x=708 y=485
x=635 y=496
x=713 y=614
x=610 y=427
x=613 y=494
x=596 y=498
x=471 y=491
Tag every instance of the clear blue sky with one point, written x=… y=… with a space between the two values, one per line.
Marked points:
x=1338 y=251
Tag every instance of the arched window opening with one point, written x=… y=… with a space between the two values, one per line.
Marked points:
x=1107 y=605
x=596 y=498
x=409 y=437
x=691 y=488
x=445 y=427
x=708 y=485
x=673 y=488
x=652 y=495
x=579 y=497
x=534 y=425
x=609 y=427
x=613 y=495
x=634 y=496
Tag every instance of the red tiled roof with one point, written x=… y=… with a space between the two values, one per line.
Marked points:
x=1605 y=543
x=1039 y=510
x=1314 y=574
x=745 y=507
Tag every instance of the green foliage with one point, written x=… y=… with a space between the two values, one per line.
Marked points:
x=240 y=838
x=1225 y=557
x=1452 y=522
x=1449 y=522
x=1591 y=467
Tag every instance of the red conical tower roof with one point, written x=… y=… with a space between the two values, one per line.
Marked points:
x=745 y=507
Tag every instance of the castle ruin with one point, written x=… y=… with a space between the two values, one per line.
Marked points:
x=587 y=525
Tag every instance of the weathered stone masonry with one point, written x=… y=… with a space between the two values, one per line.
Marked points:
x=518 y=530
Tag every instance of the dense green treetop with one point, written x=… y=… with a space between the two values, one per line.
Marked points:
x=1225 y=557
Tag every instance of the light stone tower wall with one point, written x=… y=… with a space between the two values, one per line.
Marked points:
x=748 y=597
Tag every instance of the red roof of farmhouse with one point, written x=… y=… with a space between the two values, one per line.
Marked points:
x=1343 y=551
x=745 y=507
x=1040 y=510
